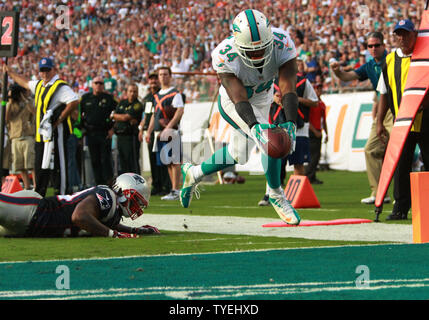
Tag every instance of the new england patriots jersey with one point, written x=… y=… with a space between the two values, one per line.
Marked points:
x=259 y=85
x=53 y=214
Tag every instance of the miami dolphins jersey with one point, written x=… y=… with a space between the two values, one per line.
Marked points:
x=53 y=214
x=259 y=85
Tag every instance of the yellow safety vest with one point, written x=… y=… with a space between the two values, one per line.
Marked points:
x=42 y=98
x=395 y=76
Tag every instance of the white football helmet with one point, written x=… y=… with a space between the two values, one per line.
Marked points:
x=133 y=194
x=252 y=32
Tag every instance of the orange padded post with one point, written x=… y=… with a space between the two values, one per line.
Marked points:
x=420 y=206
x=300 y=193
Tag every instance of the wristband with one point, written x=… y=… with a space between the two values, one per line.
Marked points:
x=111 y=233
x=290 y=105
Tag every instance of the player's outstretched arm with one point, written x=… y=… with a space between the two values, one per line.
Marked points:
x=234 y=87
x=146 y=229
x=287 y=85
x=238 y=95
x=86 y=215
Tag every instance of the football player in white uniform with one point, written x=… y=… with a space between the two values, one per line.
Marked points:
x=247 y=64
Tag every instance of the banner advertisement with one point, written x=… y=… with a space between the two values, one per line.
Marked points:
x=349 y=122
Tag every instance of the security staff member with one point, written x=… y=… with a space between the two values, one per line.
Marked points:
x=96 y=108
x=391 y=87
x=54 y=101
x=127 y=116
x=165 y=121
x=161 y=184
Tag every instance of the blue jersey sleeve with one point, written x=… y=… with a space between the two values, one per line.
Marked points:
x=362 y=72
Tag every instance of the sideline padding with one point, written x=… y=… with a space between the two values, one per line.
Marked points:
x=415 y=90
x=11 y=184
x=420 y=206
x=312 y=223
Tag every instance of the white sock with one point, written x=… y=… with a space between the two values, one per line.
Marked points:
x=197 y=172
x=277 y=191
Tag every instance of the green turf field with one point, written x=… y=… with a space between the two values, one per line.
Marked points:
x=275 y=267
x=339 y=197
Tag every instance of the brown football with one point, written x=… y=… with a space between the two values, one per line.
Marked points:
x=279 y=144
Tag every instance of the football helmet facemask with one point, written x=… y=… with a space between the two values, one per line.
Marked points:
x=253 y=38
x=133 y=194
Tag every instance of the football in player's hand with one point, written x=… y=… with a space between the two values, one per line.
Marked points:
x=279 y=144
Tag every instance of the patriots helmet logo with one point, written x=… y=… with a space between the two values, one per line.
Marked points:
x=138 y=179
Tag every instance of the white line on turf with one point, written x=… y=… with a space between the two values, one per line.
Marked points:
x=219 y=292
x=253 y=226
x=199 y=253
x=249 y=207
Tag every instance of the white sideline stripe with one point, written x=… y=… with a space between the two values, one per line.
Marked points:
x=196 y=254
x=248 y=207
x=209 y=239
x=219 y=292
x=423 y=34
x=253 y=226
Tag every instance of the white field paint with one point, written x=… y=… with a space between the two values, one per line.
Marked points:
x=218 y=292
x=396 y=233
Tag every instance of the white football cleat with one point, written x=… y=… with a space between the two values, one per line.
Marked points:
x=173 y=195
x=284 y=209
x=189 y=186
x=264 y=202
x=369 y=200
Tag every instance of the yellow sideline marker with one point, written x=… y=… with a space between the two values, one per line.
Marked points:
x=420 y=206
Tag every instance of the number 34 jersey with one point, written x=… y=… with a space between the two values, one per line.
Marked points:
x=259 y=85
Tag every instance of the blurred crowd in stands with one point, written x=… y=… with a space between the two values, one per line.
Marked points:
x=124 y=40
